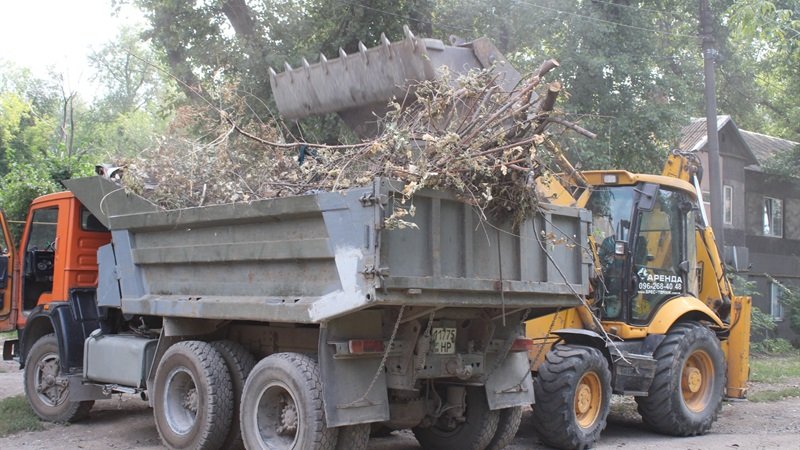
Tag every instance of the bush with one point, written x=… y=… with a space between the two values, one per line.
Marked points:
x=790 y=297
x=776 y=346
x=761 y=324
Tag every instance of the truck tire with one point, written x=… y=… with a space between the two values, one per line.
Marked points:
x=507 y=426
x=473 y=434
x=192 y=397
x=282 y=405
x=573 y=397
x=239 y=362
x=686 y=394
x=353 y=437
x=46 y=390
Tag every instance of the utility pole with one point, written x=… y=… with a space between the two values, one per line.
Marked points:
x=714 y=163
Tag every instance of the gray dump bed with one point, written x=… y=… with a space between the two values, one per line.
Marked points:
x=312 y=258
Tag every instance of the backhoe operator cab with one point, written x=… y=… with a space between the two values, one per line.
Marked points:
x=663 y=321
x=644 y=254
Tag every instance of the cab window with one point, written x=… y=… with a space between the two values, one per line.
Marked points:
x=612 y=209
x=657 y=253
x=43 y=229
x=90 y=223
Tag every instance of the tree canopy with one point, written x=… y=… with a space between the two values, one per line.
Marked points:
x=632 y=72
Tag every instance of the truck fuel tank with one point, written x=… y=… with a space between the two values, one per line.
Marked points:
x=122 y=359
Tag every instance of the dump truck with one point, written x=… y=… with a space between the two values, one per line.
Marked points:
x=284 y=323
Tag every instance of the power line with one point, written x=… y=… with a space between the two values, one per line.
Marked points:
x=425 y=22
x=608 y=22
x=534 y=5
x=637 y=8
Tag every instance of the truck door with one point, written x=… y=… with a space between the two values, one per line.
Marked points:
x=6 y=266
x=41 y=242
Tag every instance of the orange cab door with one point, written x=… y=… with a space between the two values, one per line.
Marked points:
x=6 y=266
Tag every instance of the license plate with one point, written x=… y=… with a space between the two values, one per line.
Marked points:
x=444 y=340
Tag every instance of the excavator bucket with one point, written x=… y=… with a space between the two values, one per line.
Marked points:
x=359 y=86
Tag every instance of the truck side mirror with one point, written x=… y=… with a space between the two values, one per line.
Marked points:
x=620 y=248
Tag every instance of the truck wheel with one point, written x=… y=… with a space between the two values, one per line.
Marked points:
x=573 y=397
x=282 y=405
x=353 y=437
x=686 y=393
x=474 y=433
x=46 y=390
x=239 y=362
x=193 y=397
x=507 y=427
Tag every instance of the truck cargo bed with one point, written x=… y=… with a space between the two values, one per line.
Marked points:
x=311 y=258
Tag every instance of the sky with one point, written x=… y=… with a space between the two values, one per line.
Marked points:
x=60 y=34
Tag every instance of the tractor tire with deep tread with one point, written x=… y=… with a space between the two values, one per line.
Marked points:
x=573 y=395
x=353 y=437
x=507 y=427
x=282 y=405
x=192 y=397
x=687 y=390
x=44 y=386
x=240 y=362
x=474 y=434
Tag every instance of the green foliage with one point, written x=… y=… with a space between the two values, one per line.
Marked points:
x=741 y=285
x=786 y=164
x=767 y=35
x=761 y=324
x=16 y=415
x=790 y=297
x=773 y=346
x=18 y=188
x=630 y=74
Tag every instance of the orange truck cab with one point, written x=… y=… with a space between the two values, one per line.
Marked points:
x=48 y=283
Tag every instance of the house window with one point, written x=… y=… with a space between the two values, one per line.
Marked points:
x=775 y=305
x=773 y=217
x=727 y=201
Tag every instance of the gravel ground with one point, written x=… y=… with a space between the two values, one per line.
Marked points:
x=127 y=423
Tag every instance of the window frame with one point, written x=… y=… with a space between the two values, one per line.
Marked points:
x=771 y=226
x=775 y=302
x=727 y=204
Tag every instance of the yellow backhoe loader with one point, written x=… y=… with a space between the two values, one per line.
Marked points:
x=662 y=323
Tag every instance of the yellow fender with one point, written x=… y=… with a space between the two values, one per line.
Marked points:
x=670 y=312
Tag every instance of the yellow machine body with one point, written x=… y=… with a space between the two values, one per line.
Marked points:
x=710 y=304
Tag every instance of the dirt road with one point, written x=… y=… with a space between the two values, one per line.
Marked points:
x=127 y=423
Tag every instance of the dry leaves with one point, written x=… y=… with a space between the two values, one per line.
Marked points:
x=464 y=135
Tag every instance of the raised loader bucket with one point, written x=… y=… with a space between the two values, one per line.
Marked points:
x=359 y=86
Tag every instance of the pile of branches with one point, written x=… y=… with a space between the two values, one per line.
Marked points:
x=467 y=136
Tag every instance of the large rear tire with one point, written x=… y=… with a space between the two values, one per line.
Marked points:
x=353 y=437
x=686 y=394
x=46 y=389
x=573 y=397
x=192 y=397
x=474 y=433
x=282 y=405
x=507 y=427
x=239 y=362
